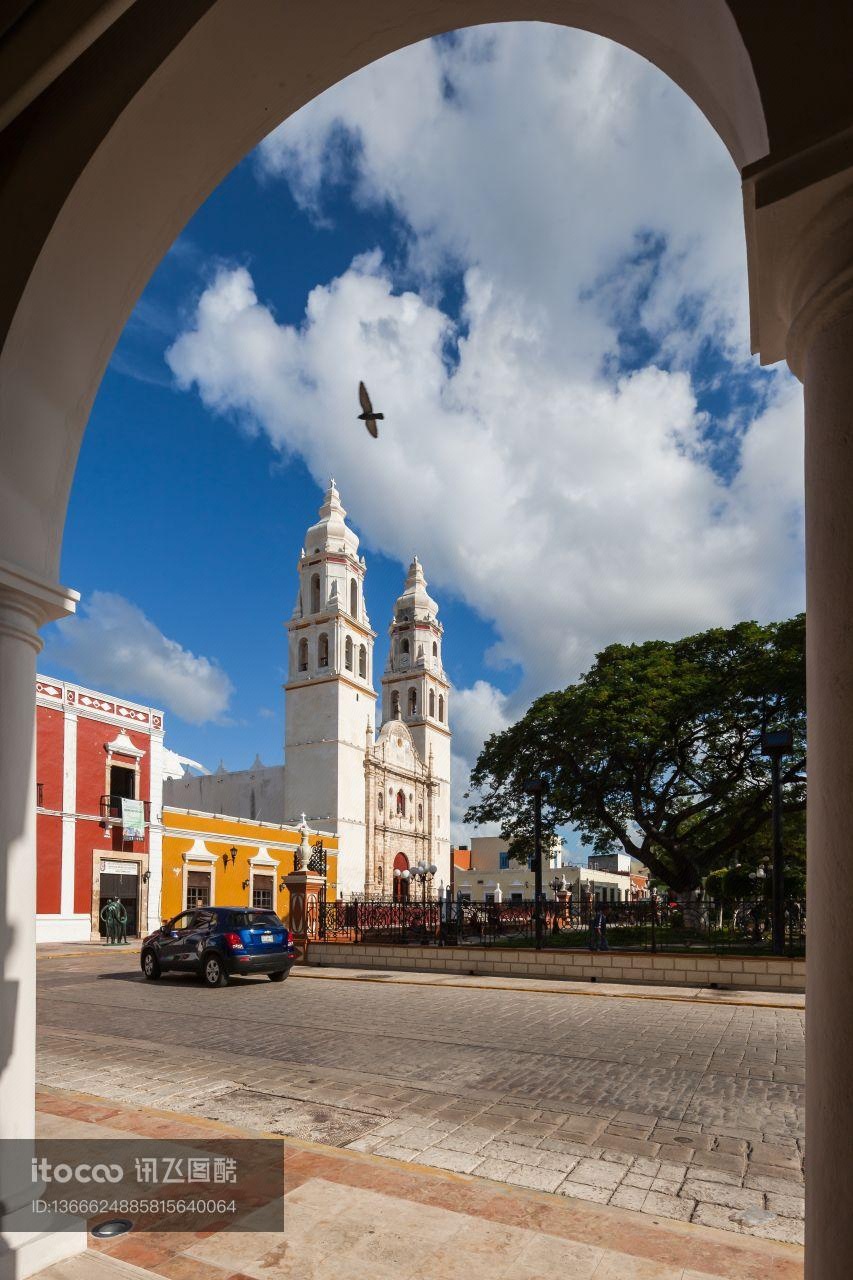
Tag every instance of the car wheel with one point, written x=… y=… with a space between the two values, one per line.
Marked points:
x=150 y=965
x=213 y=971
x=277 y=977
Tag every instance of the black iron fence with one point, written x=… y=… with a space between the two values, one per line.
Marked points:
x=742 y=926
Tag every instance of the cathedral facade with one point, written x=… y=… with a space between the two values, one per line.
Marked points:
x=386 y=797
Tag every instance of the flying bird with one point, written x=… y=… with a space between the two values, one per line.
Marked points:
x=368 y=417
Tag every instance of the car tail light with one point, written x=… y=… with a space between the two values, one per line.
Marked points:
x=235 y=942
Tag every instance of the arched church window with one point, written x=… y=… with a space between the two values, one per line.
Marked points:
x=315 y=593
x=435 y=648
x=432 y=702
x=323 y=650
x=303 y=654
x=401 y=804
x=441 y=707
x=413 y=701
x=420 y=813
x=362 y=661
x=353 y=597
x=379 y=802
x=348 y=653
x=404 y=646
x=395 y=704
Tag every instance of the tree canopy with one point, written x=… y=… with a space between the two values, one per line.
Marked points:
x=656 y=750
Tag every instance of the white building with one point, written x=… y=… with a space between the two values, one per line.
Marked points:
x=386 y=799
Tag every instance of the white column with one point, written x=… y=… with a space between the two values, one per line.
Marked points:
x=810 y=251
x=69 y=810
x=26 y=603
x=828 y=380
x=155 y=835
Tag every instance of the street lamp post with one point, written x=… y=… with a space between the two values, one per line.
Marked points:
x=535 y=787
x=777 y=743
x=423 y=873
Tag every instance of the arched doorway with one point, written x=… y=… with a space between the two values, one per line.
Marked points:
x=401 y=878
x=91 y=117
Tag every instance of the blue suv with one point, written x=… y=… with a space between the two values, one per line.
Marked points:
x=217 y=942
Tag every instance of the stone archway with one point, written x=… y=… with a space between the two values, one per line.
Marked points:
x=117 y=125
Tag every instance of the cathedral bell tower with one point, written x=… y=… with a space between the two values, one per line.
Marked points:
x=329 y=694
x=416 y=690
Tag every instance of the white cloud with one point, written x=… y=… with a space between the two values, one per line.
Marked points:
x=113 y=646
x=476 y=713
x=569 y=511
x=539 y=154
x=570 y=507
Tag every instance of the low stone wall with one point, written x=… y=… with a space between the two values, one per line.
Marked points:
x=766 y=973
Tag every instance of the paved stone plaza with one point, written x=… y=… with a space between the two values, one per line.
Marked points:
x=680 y=1110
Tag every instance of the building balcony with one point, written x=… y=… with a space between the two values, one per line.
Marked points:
x=111 y=810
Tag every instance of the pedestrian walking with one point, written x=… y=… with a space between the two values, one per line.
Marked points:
x=598 y=929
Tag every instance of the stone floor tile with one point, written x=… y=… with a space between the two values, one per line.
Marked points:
x=529 y=1175
x=470 y=1140
x=628 y=1197
x=458 y=1161
x=551 y=1256
x=669 y=1205
x=787 y=1230
x=719 y=1193
x=510 y=1151
x=621 y=1266
x=497 y=1170
x=789 y=1205
x=557 y=1161
x=582 y=1191
x=395 y=1151
x=597 y=1173
x=632 y=1179
x=669 y=1186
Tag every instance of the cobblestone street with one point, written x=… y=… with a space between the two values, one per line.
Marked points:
x=684 y=1111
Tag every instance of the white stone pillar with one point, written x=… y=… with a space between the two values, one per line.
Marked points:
x=26 y=603
x=155 y=835
x=828 y=379
x=818 y=291
x=69 y=811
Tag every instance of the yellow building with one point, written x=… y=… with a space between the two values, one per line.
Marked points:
x=211 y=860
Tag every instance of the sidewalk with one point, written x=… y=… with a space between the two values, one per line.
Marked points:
x=365 y=1217
x=407 y=977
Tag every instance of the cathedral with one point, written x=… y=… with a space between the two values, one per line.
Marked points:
x=388 y=797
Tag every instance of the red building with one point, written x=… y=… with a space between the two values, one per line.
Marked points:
x=95 y=753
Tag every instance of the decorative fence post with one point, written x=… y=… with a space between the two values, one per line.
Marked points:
x=306 y=888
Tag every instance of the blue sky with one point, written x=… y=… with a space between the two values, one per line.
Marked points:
x=547 y=297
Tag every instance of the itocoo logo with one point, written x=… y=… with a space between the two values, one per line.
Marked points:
x=44 y=1171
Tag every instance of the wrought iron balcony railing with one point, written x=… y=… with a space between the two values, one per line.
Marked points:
x=111 y=809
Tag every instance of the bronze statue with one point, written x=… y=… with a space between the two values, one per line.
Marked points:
x=114 y=917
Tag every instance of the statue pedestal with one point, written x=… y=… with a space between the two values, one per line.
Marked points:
x=303 y=921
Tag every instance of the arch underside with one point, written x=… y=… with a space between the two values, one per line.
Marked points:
x=154 y=126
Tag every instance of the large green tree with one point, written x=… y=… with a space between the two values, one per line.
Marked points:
x=656 y=750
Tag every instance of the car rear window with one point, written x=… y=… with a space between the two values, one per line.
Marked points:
x=251 y=919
